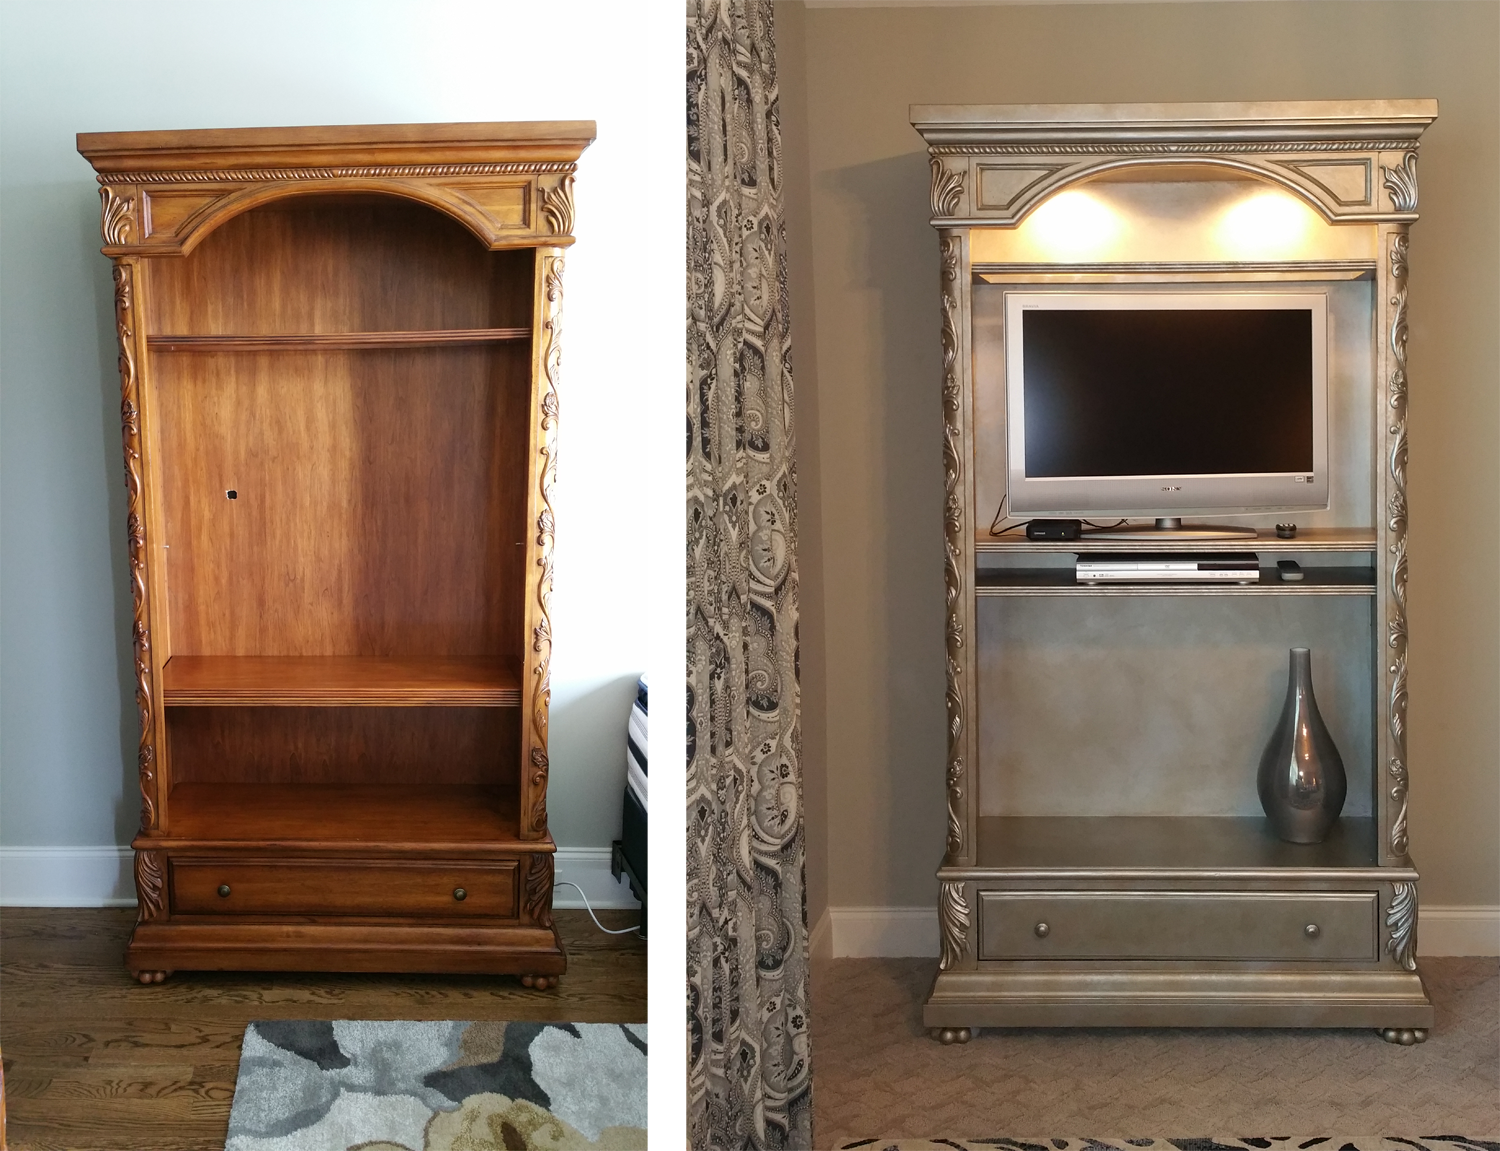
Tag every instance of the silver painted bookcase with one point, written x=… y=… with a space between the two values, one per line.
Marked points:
x=1107 y=863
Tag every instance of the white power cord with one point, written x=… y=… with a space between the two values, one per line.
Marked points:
x=595 y=918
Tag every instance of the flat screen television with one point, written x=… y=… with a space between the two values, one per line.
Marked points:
x=1166 y=404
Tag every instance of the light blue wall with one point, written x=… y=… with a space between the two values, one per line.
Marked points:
x=67 y=723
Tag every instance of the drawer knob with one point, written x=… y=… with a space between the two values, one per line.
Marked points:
x=223 y=891
x=1042 y=930
x=460 y=894
x=1312 y=931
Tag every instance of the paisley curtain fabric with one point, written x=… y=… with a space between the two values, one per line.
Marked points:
x=749 y=1075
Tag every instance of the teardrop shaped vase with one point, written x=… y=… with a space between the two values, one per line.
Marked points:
x=1301 y=780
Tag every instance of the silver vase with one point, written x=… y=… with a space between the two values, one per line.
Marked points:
x=1301 y=779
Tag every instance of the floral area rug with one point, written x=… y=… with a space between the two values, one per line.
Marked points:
x=362 y=1085
x=1223 y=1143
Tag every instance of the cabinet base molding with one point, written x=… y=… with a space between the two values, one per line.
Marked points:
x=301 y=946
x=1386 y=999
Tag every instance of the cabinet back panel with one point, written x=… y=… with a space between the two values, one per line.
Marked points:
x=348 y=745
x=379 y=500
x=1143 y=706
x=356 y=264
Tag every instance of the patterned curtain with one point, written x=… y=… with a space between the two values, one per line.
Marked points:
x=749 y=1074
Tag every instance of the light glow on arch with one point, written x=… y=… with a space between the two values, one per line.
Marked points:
x=1075 y=224
x=1268 y=224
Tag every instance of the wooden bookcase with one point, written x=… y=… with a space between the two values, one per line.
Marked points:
x=339 y=359
x=1106 y=860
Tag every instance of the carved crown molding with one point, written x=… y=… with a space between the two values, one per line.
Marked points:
x=361 y=172
x=1169 y=148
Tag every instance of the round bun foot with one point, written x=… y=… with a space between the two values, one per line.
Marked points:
x=947 y=1035
x=1405 y=1036
x=150 y=976
x=539 y=982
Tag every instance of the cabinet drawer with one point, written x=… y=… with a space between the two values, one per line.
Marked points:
x=343 y=887
x=1177 y=925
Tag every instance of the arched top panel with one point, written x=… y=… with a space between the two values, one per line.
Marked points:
x=511 y=185
x=1353 y=162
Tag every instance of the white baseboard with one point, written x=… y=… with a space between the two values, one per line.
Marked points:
x=820 y=938
x=891 y=932
x=589 y=868
x=101 y=877
x=1458 y=930
x=888 y=932
x=66 y=877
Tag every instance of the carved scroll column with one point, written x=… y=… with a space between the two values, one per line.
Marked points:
x=132 y=353
x=536 y=688
x=958 y=542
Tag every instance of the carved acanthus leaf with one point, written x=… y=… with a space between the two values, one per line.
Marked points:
x=1401 y=183
x=557 y=206
x=1401 y=918
x=954 y=919
x=117 y=215
x=538 y=893
x=947 y=188
x=150 y=885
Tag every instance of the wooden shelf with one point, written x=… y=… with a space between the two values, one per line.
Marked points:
x=340 y=681
x=1307 y=540
x=334 y=341
x=339 y=816
x=1061 y=581
x=1164 y=845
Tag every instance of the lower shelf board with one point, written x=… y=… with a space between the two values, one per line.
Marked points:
x=1102 y=844
x=453 y=817
x=1062 y=581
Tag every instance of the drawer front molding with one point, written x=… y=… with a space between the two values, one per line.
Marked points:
x=1231 y=925
x=345 y=887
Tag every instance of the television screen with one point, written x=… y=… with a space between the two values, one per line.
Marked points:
x=1168 y=393
x=1162 y=402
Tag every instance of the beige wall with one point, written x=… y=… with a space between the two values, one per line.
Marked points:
x=864 y=278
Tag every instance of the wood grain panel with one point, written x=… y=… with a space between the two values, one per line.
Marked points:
x=377 y=501
x=340 y=264
x=353 y=745
x=368 y=681
x=457 y=818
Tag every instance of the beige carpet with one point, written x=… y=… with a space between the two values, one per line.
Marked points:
x=877 y=1075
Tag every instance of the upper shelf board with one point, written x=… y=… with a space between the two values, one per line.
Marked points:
x=1306 y=540
x=341 y=681
x=333 y=341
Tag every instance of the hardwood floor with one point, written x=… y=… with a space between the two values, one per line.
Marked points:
x=94 y=1060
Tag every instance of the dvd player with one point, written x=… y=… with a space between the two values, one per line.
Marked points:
x=1171 y=567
